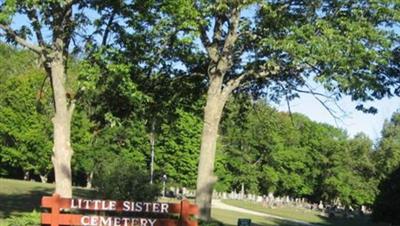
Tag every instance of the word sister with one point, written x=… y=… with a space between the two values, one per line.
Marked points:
x=145 y=207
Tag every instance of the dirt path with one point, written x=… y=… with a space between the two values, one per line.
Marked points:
x=220 y=205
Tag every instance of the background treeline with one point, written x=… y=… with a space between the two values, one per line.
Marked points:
x=121 y=116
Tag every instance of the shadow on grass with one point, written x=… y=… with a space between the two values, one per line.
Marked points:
x=335 y=221
x=11 y=204
x=275 y=222
x=357 y=221
x=281 y=223
x=361 y=220
x=314 y=219
x=14 y=204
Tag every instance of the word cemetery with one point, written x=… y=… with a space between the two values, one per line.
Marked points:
x=97 y=213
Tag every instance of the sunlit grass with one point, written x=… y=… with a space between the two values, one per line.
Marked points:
x=231 y=218
x=288 y=212
x=302 y=214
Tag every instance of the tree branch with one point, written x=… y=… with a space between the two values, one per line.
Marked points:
x=21 y=41
x=212 y=46
x=203 y=36
x=219 y=22
x=108 y=27
x=32 y=15
x=69 y=3
x=232 y=33
x=289 y=109
x=317 y=96
x=232 y=84
x=330 y=111
x=310 y=92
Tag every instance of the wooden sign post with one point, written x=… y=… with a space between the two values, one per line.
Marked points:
x=150 y=213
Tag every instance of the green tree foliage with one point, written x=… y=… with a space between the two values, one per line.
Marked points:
x=147 y=87
x=349 y=173
x=178 y=149
x=25 y=128
x=270 y=151
x=265 y=151
x=82 y=137
x=364 y=174
x=388 y=154
x=122 y=179
x=15 y=62
x=387 y=204
x=243 y=158
x=126 y=139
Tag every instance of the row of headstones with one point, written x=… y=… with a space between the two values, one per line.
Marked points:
x=257 y=198
x=180 y=192
x=267 y=200
x=183 y=192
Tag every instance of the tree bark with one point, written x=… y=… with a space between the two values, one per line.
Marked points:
x=152 y=146
x=43 y=178
x=62 y=150
x=205 y=175
x=89 y=180
x=26 y=175
x=242 y=191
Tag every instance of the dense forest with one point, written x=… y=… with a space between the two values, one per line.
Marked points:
x=259 y=147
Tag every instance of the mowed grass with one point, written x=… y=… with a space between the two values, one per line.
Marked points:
x=287 y=212
x=230 y=218
x=309 y=216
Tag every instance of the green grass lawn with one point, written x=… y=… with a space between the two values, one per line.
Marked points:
x=230 y=218
x=302 y=214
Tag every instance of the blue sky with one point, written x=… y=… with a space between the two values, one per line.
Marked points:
x=351 y=120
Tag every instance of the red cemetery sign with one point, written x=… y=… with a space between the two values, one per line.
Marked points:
x=161 y=211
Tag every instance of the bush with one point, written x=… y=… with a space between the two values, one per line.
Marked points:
x=27 y=219
x=124 y=180
x=387 y=205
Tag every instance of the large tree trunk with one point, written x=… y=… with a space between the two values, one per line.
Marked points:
x=205 y=176
x=62 y=150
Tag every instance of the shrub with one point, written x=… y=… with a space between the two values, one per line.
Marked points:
x=27 y=219
x=122 y=179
